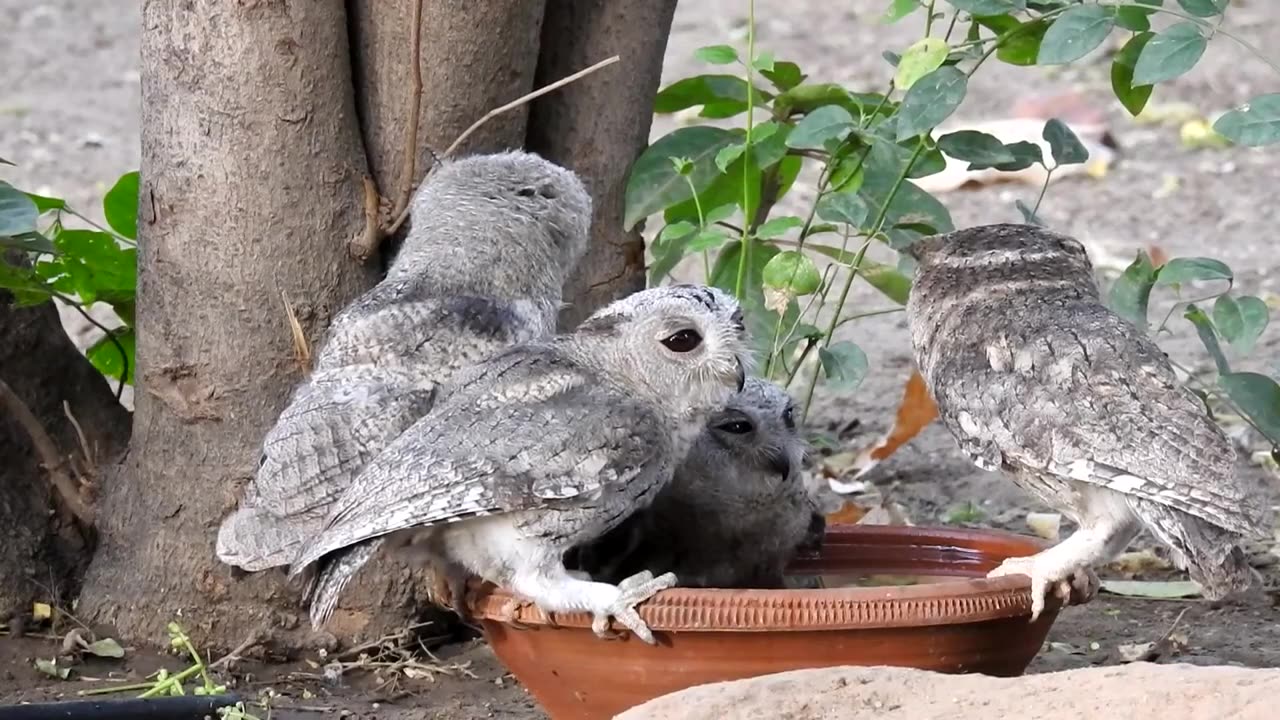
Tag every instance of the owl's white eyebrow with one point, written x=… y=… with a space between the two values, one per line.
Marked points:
x=998 y=257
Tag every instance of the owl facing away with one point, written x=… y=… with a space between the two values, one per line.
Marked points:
x=1034 y=376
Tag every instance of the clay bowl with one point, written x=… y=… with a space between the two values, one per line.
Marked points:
x=955 y=621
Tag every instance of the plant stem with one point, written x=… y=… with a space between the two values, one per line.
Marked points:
x=702 y=225
x=871 y=313
x=170 y=681
x=1213 y=28
x=1048 y=175
x=928 y=19
x=744 y=257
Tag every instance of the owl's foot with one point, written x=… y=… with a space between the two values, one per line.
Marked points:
x=449 y=590
x=631 y=592
x=1067 y=583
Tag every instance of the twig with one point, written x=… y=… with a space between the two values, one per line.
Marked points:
x=124 y=357
x=362 y=247
x=89 y=461
x=255 y=637
x=415 y=110
x=52 y=461
x=301 y=348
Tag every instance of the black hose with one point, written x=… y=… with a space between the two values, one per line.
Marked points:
x=183 y=707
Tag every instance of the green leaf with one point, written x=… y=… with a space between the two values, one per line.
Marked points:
x=654 y=184
x=1254 y=124
x=844 y=364
x=1131 y=292
x=921 y=58
x=784 y=75
x=105 y=355
x=1134 y=18
x=1204 y=8
x=777 y=227
x=18 y=212
x=912 y=212
x=724 y=274
x=989 y=7
x=1170 y=54
x=792 y=270
x=1063 y=144
x=1154 y=589
x=26 y=287
x=93 y=266
x=899 y=9
x=1258 y=397
x=45 y=204
x=930 y=101
x=1074 y=34
x=1132 y=97
x=52 y=668
x=847 y=176
x=975 y=147
x=1227 y=318
x=727 y=155
x=1204 y=328
x=827 y=123
x=720 y=95
x=106 y=647
x=893 y=284
x=1254 y=316
x=120 y=205
x=763 y=62
x=28 y=242
x=1183 y=270
x=708 y=239
x=1018 y=43
x=844 y=207
x=716 y=54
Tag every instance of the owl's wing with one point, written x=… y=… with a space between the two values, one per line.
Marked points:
x=525 y=430
x=1102 y=407
x=334 y=424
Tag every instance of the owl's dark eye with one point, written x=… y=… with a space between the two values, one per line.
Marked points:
x=789 y=418
x=683 y=341
x=526 y=192
x=736 y=427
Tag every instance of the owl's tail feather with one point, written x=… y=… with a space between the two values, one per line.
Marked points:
x=1211 y=554
x=335 y=572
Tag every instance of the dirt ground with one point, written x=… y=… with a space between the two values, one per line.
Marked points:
x=69 y=119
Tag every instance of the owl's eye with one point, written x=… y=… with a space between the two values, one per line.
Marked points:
x=526 y=192
x=789 y=418
x=683 y=341
x=737 y=427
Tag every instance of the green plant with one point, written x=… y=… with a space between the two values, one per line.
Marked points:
x=76 y=266
x=717 y=188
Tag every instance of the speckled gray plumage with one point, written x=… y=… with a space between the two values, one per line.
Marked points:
x=547 y=445
x=736 y=511
x=1032 y=374
x=492 y=240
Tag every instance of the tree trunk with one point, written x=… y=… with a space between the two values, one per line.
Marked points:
x=475 y=56
x=252 y=187
x=599 y=125
x=44 y=552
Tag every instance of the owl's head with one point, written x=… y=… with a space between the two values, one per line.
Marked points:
x=757 y=430
x=512 y=213
x=683 y=346
x=1002 y=245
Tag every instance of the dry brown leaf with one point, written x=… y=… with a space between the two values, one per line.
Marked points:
x=1157 y=254
x=41 y=611
x=887 y=513
x=1046 y=525
x=1138 y=563
x=849 y=514
x=915 y=412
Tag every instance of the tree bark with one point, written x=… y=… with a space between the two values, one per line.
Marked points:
x=252 y=184
x=599 y=125
x=43 y=551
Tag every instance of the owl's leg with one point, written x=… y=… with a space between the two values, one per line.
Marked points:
x=553 y=589
x=1068 y=566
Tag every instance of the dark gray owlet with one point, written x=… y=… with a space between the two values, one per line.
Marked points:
x=548 y=445
x=736 y=511
x=492 y=241
x=1033 y=375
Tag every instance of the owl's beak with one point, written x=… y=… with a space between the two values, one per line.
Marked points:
x=742 y=375
x=780 y=463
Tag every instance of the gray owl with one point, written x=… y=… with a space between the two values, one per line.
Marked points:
x=1033 y=375
x=493 y=238
x=736 y=512
x=548 y=445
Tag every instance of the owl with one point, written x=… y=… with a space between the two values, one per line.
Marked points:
x=548 y=445
x=736 y=512
x=1034 y=376
x=492 y=241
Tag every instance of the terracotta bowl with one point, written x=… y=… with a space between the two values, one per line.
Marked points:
x=954 y=620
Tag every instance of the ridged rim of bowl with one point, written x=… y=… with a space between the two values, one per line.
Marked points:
x=954 y=602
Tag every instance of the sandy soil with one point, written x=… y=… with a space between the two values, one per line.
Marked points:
x=69 y=100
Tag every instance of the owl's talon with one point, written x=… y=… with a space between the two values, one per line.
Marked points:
x=631 y=592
